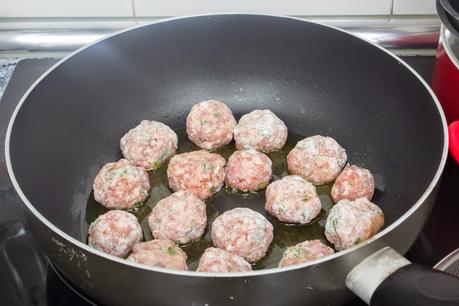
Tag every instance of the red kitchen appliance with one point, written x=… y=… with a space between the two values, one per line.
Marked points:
x=446 y=72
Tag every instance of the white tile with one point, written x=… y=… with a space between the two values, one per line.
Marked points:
x=66 y=8
x=413 y=7
x=67 y=25
x=153 y=8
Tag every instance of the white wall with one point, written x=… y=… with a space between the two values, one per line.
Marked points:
x=160 y=8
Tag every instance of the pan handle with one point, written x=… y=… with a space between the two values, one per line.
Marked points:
x=388 y=278
x=454 y=140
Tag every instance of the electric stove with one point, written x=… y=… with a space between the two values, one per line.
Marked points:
x=27 y=277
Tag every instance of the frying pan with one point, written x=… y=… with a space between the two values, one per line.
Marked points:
x=318 y=79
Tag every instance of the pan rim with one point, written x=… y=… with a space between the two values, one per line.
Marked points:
x=269 y=271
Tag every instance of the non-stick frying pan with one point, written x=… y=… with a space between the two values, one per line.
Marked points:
x=318 y=79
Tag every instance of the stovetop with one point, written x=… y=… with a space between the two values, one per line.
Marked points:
x=27 y=278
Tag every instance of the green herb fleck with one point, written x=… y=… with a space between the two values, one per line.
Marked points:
x=296 y=253
x=334 y=224
x=216 y=115
x=279 y=208
x=357 y=241
x=118 y=173
x=207 y=167
x=204 y=122
x=262 y=185
x=157 y=164
x=137 y=205
x=171 y=251
x=212 y=189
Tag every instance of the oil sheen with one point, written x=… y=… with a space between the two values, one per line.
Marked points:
x=285 y=235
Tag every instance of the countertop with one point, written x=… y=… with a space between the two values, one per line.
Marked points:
x=7 y=66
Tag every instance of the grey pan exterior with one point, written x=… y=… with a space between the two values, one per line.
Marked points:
x=321 y=283
x=116 y=282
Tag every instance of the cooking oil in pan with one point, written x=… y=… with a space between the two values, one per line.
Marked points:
x=285 y=235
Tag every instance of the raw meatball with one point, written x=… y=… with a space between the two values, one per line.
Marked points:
x=243 y=232
x=261 y=130
x=159 y=253
x=318 y=159
x=115 y=233
x=200 y=172
x=210 y=124
x=218 y=260
x=248 y=170
x=305 y=251
x=180 y=217
x=351 y=222
x=353 y=183
x=121 y=185
x=149 y=144
x=293 y=200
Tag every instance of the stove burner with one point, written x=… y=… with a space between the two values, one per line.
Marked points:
x=68 y=294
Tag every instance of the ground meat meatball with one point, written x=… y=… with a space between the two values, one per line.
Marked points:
x=121 y=185
x=115 y=233
x=149 y=144
x=248 y=170
x=200 y=172
x=261 y=130
x=354 y=182
x=293 y=200
x=351 y=222
x=317 y=159
x=305 y=251
x=243 y=232
x=180 y=217
x=159 y=253
x=210 y=124
x=218 y=260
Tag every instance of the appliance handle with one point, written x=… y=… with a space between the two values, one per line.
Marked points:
x=388 y=278
x=454 y=140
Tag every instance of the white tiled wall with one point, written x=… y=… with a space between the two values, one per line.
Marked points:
x=66 y=8
x=287 y=7
x=410 y=7
x=160 y=8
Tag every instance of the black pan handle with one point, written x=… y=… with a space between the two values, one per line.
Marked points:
x=387 y=278
x=417 y=285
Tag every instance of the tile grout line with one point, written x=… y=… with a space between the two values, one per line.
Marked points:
x=134 y=15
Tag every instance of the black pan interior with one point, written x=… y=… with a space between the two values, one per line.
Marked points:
x=317 y=79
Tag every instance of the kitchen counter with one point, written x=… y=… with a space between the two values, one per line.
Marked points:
x=7 y=66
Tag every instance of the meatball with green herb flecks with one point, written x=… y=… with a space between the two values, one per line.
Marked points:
x=318 y=159
x=210 y=124
x=159 y=253
x=180 y=217
x=149 y=144
x=353 y=182
x=248 y=170
x=121 y=185
x=351 y=222
x=293 y=200
x=218 y=260
x=243 y=232
x=304 y=252
x=115 y=233
x=200 y=172
x=260 y=130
